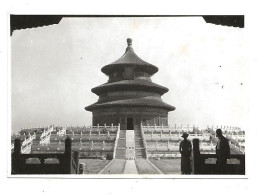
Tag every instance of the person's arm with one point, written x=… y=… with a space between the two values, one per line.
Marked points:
x=216 y=149
x=180 y=147
x=190 y=148
x=227 y=149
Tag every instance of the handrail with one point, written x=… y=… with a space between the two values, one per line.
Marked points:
x=117 y=137
x=181 y=128
x=111 y=127
x=144 y=142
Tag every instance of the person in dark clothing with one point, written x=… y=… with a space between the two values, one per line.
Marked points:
x=222 y=151
x=185 y=148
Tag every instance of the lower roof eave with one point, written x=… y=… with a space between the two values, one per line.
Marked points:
x=93 y=107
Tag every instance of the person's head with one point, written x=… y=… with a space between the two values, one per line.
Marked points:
x=185 y=135
x=219 y=133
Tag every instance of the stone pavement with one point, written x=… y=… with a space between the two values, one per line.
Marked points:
x=130 y=167
x=116 y=167
x=145 y=167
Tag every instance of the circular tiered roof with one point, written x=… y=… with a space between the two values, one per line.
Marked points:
x=130 y=58
x=132 y=84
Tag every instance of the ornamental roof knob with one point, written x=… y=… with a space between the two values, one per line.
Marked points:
x=129 y=41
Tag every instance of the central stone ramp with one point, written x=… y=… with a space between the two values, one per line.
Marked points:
x=130 y=145
x=138 y=166
x=130 y=167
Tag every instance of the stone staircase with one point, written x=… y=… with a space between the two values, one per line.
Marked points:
x=121 y=145
x=130 y=145
x=139 y=146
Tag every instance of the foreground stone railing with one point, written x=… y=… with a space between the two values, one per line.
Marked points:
x=26 y=144
x=200 y=164
x=67 y=161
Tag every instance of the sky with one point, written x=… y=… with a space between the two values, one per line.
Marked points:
x=54 y=68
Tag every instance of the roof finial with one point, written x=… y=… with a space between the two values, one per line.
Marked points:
x=129 y=41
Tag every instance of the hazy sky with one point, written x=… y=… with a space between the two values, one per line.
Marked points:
x=54 y=68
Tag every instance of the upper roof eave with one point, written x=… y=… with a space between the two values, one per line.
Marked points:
x=129 y=58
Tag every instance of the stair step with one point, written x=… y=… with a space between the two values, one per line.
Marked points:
x=136 y=143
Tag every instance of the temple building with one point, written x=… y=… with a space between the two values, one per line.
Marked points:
x=130 y=97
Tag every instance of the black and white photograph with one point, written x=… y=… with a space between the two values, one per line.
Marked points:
x=128 y=97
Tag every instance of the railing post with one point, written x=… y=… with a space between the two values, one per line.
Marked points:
x=68 y=156
x=16 y=157
x=242 y=165
x=196 y=157
x=76 y=155
x=81 y=168
x=103 y=145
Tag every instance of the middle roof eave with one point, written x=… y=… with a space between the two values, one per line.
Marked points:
x=137 y=84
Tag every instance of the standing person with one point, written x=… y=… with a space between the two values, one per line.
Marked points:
x=222 y=151
x=185 y=149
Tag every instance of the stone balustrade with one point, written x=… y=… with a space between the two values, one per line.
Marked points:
x=175 y=128
x=67 y=162
x=206 y=163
